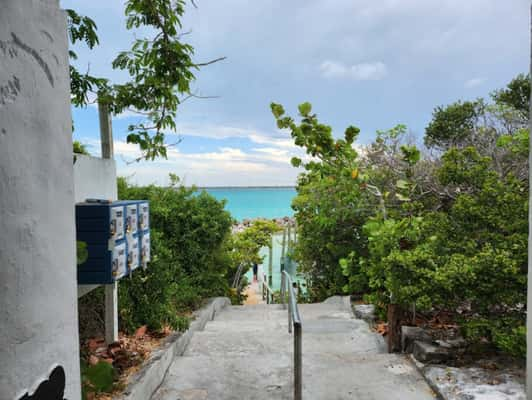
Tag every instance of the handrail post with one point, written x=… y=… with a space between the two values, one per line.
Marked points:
x=294 y=324
x=283 y=290
x=289 y=312
x=298 y=362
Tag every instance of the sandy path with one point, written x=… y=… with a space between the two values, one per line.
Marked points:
x=253 y=294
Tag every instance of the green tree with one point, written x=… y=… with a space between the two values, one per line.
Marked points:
x=247 y=244
x=331 y=203
x=453 y=124
x=80 y=148
x=516 y=95
x=444 y=231
x=160 y=70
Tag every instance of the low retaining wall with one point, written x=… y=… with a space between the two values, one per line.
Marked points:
x=144 y=384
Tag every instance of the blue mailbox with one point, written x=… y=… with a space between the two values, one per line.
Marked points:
x=114 y=239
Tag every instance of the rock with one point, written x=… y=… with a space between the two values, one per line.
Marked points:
x=365 y=312
x=453 y=344
x=409 y=334
x=100 y=351
x=429 y=353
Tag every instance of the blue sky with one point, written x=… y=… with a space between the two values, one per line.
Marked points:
x=369 y=63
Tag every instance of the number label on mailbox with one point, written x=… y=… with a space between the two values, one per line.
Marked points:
x=119 y=268
x=117 y=223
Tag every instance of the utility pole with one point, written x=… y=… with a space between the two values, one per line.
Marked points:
x=111 y=291
x=529 y=285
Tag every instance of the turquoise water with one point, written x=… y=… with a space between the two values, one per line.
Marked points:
x=247 y=203
x=257 y=202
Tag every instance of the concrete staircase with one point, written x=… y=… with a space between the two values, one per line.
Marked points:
x=246 y=353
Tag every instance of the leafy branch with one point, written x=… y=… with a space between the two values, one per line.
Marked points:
x=161 y=70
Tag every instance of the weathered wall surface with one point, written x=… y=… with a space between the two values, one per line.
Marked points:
x=38 y=307
x=94 y=178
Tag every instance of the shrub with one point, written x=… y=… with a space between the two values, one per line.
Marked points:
x=190 y=261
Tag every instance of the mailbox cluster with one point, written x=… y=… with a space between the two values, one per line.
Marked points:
x=117 y=235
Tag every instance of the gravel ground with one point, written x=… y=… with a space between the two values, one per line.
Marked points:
x=475 y=383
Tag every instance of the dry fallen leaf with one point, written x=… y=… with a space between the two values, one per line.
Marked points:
x=141 y=331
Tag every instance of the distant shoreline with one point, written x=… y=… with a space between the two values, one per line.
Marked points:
x=245 y=187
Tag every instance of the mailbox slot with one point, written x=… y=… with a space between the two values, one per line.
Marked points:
x=144 y=216
x=131 y=219
x=145 y=253
x=132 y=253
x=116 y=227
x=118 y=264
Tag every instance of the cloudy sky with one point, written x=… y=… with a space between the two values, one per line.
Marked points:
x=369 y=63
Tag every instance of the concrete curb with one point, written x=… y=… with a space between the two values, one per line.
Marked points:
x=145 y=382
x=343 y=301
x=421 y=369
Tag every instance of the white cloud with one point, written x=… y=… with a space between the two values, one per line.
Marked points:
x=372 y=71
x=276 y=139
x=272 y=141
x=271 y=151
x=126 y=149
x=474 y=82
x=225 y=166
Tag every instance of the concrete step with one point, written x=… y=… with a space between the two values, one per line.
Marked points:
x=258 y=314
x=369 y=377
x=254 y=307
x=252 y=313
x=255 y=344
x=247 y=326
x=216 y=343
x=325 y=376
x=228 y=378
x=333 y=336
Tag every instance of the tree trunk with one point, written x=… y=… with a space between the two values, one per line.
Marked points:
x=395 y=314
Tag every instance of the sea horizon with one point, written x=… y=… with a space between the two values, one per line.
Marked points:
x=250 y=202
x=247 y=187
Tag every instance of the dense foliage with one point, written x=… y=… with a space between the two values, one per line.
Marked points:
x=190 y=257
x=445 y=230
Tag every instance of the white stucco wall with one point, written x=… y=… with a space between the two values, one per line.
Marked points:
x=94 y=178
x=38 y=307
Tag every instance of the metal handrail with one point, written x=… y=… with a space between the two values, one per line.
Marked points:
x=236 y=279
x=294 y=320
